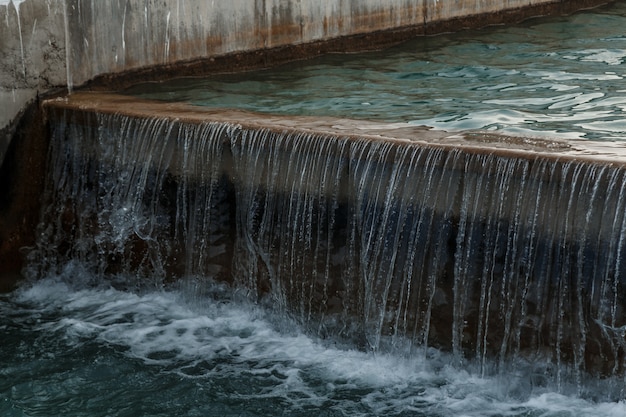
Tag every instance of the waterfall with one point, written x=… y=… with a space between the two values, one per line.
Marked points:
x=378 y=242
x=125 y=196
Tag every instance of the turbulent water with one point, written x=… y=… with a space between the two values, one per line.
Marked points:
x=74 y=350
x=560 y=77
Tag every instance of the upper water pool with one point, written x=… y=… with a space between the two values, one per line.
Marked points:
x=549 y=77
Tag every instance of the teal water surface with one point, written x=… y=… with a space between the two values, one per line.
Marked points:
x=72 y=349
x=555 y=77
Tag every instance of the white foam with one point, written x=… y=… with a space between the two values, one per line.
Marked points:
x=229 y=339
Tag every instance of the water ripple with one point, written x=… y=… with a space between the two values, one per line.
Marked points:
x=512 y=79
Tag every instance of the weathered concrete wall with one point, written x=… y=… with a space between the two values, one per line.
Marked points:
x=32 y=56
x=64 y=43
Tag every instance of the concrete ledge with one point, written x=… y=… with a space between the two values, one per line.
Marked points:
x=613 y=153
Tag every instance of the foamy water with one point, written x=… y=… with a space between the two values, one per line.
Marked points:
x=70 y=349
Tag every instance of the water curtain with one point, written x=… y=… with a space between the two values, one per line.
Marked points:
x=380 y=243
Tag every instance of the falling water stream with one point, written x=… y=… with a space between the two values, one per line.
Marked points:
x=333 y=306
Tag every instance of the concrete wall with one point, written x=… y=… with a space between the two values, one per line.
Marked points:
x=32 y=56
x=46 y=44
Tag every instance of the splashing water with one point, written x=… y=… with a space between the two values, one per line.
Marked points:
x=73 y=350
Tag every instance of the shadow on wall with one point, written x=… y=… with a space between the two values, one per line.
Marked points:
x=23 y=174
